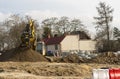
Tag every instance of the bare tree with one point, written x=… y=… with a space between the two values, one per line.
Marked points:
x=63 y=25
x=2 y=38
x=15 y=25
x=103 y=21
x=47 y=32
x=76 y=25
x=50 y=22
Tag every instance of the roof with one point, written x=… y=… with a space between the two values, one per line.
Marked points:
x=57 y=40
x=53 y=40
x=82 y=35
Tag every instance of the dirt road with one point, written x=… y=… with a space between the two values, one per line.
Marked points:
x=46 y=70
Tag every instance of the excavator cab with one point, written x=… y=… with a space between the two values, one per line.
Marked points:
x=25 y=37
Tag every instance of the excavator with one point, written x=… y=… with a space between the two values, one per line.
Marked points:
x=29 y=40
x=28 y=36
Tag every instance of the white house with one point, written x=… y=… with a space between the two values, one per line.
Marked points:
x=67 y=43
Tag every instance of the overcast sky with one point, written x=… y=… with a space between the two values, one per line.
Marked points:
x=41 y=9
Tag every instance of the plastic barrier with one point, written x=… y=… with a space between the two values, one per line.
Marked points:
x=106 y=73
x=100 y=73
x=114 y=73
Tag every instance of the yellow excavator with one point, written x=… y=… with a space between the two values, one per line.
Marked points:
x=29 y=40
x=28 y=36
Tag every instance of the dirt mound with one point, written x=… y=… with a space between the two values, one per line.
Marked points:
x=106 y=58
x=72 y=58
x=20 y=54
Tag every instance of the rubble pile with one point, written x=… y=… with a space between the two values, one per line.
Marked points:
x=106 y=58
x=72 y=58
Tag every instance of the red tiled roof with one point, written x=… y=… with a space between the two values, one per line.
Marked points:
x=53 y=40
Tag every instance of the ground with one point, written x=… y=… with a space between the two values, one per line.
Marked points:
x=47 y=70
x=26 y=63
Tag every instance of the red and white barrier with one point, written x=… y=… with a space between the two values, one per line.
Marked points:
x=106 y=73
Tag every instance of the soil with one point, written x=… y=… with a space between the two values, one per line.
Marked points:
x=26 y=54
x=46 y=70
x=22 y=55
x=26 y=63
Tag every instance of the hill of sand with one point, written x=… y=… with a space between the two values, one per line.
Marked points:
x=22 y=54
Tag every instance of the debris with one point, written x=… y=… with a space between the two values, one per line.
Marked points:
x=72 y=58
x=106 y=58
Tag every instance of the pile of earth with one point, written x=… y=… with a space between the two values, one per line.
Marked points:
x=21 y=54
x=71 y=58
x=106 y=58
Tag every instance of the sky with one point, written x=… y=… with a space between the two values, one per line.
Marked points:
x=84 y=10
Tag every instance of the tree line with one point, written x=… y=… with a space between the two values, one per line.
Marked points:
x=12 y=27
x=62 y=25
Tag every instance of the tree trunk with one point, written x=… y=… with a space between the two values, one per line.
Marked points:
x=108 y=37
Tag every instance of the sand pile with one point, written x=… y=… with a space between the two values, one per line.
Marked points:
x=106 y=58
x=20 y=54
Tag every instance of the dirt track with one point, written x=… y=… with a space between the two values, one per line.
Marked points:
x=45 y=70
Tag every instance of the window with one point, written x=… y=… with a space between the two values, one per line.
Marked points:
x=56 y=47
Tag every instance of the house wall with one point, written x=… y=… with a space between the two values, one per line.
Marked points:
x=70 y=42
x=52 y=48
x=87 y=45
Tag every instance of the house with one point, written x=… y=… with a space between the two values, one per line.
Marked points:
x=78 y=41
